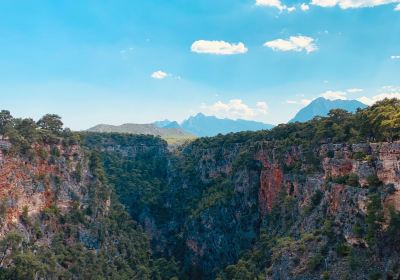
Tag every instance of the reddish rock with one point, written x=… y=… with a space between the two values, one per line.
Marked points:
x=271 y=180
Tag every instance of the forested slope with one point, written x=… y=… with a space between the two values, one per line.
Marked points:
x=302 y=201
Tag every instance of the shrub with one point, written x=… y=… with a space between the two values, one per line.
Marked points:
x=394 y=226
x=359 y=156
x=352 y=180
x=358 y=230
x=316 y=198
x=315 y=262
x=343 y=249
x=330 y=154
x=374 y=219
x=375 y=275
x=325 y=275
x=373 y=181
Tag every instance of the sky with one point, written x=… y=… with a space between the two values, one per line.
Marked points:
x=131 y=61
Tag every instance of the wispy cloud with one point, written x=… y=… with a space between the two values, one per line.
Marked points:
x=299 y=102
x=395 y=57
x=294 y=43
x=354 y=90
x=159 y=75
x=304 y=7
x=352 y=4
x=397 y=8
x=334 y=95
x=236 y=109
x=275 y=4
x=218 y=47
x=384 y=92
x=340 y=94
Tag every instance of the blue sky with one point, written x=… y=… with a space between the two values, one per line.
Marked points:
x=139 y=61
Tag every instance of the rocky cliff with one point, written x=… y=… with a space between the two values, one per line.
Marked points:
x=215 y=201
x=59 y=219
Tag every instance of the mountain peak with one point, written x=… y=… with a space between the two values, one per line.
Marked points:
x=200 y=115
x=202 y=125
x=321 y=107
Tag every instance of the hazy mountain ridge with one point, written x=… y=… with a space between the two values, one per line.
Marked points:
x=202 y=125
x=173 y=135
x=199 y=125
x=321 y=107
x=132 y=128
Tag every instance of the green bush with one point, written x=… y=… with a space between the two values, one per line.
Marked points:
x=315 y=262
x=343 y=249
x=352 y=180
x=373 y=181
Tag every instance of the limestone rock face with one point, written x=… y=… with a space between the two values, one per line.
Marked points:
x=32 y=185
x=217 y=200
x=289 y=173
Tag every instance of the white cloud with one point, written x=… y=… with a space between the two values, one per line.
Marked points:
x=379 y=97
x=384 y=92
x=299 y=102
x=352 y=4
x=304 y=7
x=397 y=8
x=262 y=107
x=271 y=3
x=275 y=4
x=236 y=109
x=303 y=102
x=218 y=47
x=334 y=95
x=395 y=57
x=354 y=90
x=159 y=75
x=294 y=43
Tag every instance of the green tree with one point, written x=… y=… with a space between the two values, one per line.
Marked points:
x=374 y=219
x=51 y=122
x=6 y=120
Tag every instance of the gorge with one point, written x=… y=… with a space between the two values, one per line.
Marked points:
x=312 y=200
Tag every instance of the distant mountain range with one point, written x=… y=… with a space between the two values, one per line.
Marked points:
x=170 y=134
x=195 y=126
x=322 y=106
x=202 y=125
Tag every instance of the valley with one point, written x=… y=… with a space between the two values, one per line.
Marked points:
x=311 y=200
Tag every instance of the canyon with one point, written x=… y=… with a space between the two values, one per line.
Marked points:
x=310 y=200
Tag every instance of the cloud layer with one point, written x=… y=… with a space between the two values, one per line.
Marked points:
x=352 y=4
x=294 y=43
x=275 y=4
x=236 y=109
x=385 y=92
x=334 y=95
x=218 y=47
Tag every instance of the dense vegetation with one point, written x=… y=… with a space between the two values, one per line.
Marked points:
x=94 y=241
x=204 y=196
x=380 y=122
x=173 y=191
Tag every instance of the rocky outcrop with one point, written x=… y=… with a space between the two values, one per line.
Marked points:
x=30 y=185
